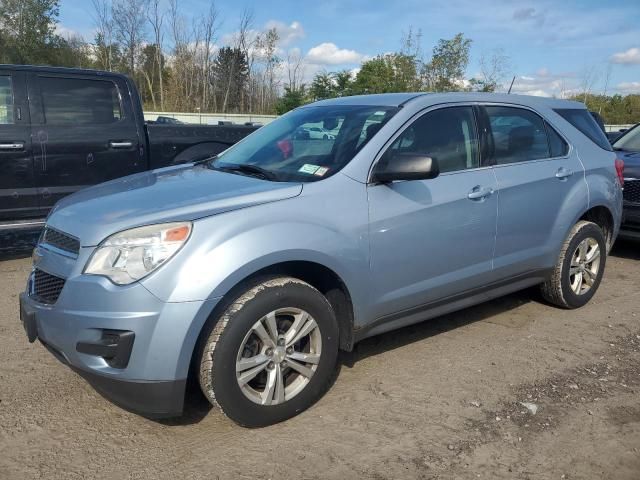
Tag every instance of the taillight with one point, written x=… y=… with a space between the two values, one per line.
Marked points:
x=620 y=171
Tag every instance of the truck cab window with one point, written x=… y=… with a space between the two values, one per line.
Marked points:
x=73 y=101
x=6 y=101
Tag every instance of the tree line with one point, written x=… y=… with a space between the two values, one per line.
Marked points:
x=182 y=63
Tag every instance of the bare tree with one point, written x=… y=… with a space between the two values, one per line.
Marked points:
x=156 y=19
x=607 y=79
x=243 y=43
x=295 y=69
x=589 y=78
x=103 y=21
x=494 y=68
x=129 y=22
x=210 y=27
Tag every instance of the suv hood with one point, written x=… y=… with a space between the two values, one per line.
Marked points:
x=180 y=193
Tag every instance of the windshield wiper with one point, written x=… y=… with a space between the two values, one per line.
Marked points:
x=248 y=169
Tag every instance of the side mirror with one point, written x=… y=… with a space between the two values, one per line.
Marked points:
x=406 y=166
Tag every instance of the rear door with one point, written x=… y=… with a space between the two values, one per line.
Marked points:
x=536 y=173
x=18 y=198
x=83 y=131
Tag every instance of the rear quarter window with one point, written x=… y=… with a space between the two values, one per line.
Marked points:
x=583 y=121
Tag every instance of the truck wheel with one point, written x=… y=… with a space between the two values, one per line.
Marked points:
x=271 y=354
x=579 y=269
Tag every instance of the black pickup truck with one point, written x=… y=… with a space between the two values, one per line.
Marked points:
x=64 y=129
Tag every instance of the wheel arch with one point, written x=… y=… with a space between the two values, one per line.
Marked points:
x=602 y=216
x=319 y=276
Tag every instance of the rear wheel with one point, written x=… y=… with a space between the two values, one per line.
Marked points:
x=272 y=353
x=578 y=272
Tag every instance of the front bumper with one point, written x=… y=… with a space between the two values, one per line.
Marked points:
x=151 y=399
x=131 y=347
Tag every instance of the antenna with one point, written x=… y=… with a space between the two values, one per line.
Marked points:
x=511 y=86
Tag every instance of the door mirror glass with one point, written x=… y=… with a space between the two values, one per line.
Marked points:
x=406 y=166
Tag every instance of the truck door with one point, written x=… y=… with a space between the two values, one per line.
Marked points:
x=84 y=132
x=18 y=198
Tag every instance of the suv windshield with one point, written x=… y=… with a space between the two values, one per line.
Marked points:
x=308 y=144
x=630 y=141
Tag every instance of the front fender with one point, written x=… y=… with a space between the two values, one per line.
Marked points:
x=224 y=250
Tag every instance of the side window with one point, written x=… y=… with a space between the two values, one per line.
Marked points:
x=6 y=100
x=558 y=146
x=447 y=135
x=518 y=135
x=73 y=101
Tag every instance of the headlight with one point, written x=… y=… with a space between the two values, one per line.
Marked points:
x=133 y=254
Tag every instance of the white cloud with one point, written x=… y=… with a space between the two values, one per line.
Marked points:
x=65 y=32
x=630 y=57
x=329 y=54
x=544 y=84
x=629 y=87
x=288 y=33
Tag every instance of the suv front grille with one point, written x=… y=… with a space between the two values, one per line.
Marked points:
x=60 y=240
x=632 y=191
x=45 y=288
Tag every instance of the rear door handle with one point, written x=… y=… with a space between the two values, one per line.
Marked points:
x=479 y=193
x=12 y=146
x=563 y=173
x=113 y=144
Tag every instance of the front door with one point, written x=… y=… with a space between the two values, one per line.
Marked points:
x=431 y=239
x=18 y=195
x=83 y=133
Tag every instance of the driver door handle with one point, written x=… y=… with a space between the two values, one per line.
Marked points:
x=125 y=144
x=12 y=146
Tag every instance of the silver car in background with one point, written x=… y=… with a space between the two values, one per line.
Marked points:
x=251 y=270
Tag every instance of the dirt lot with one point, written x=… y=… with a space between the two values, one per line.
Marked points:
x=438 y=400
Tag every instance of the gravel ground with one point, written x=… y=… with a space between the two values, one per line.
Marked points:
x=509 y=389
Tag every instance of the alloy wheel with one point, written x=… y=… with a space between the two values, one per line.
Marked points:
x=278 y=356
x=585 y=264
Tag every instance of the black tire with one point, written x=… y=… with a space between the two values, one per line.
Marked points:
x=557 y=289
x=219 y=351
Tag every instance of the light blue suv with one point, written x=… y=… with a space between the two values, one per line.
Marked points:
x=249 y=271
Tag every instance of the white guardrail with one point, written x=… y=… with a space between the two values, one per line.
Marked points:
x=211 y=118
x=617 y=128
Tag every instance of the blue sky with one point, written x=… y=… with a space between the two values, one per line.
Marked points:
x=553 y=46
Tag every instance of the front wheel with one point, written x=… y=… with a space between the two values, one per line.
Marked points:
x=271 y=354
x=579 y=268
